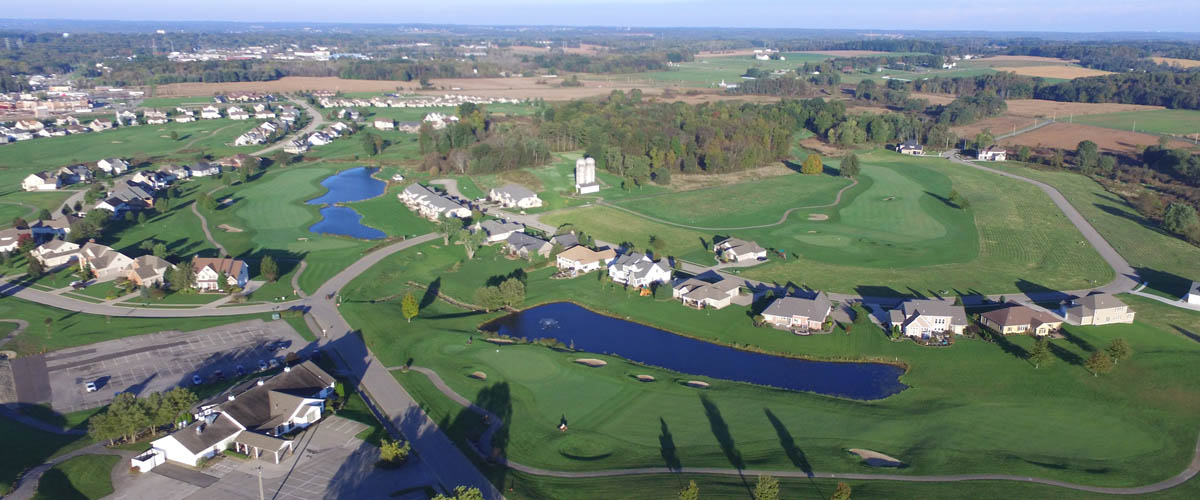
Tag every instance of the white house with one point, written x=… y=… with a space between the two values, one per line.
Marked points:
x=927 y=317
x=252 y=418
x=237 y=113
x=1193 y=295
x=736 y=250
x=155 y=117
x=700 y=294
x=100 y=124
x=993 y=153
x=514 y=195
x=107 y=263
x=798 y=313
x=204 y=169
x=431 y=205
x=385 y=124
x=319 y=139
x=30 y=125
x=10 y=239
x=295 y=147
x=637 y=270
x=210 y=113
x=499 y=230
x=1098 y=309
x=582 y=260
x=41 y=181
x=113 y=166
x=910 y=147
x=208 y=271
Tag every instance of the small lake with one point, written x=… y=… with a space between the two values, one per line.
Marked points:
x=355 y=184
x=598 y=333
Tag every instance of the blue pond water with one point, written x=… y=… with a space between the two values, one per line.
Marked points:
x=355 y=184
x=597 y=333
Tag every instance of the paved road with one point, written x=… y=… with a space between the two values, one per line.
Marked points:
x=316 y=122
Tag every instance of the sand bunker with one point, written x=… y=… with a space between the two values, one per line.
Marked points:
x=478 y=375
x=818 y=217
x=500 y=341
x=229 y=229
x=592 y=362
x=876 y=459
x=698 y=384
x=645 y=378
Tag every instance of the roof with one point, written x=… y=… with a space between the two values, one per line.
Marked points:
x=585 y=255
x=911 y=144
x=515 y=191
x=261 y=441
x=522 y=241
x=741 y=247
x=149 y=266
x=698 y=289
x=58 y=246
x=262 y=407
x=202 y=435
x=1016 y=314
x=494 y=227
x=231 y=267
x=1099 y=301
x=930 y=307
x=815 y=308
x=565 y=240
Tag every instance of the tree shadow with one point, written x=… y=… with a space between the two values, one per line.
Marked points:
x=666 y=445
x=1007 y=345
x=1074 y=339
x=431 y=293
x=720 y=430
x=1065 y=355
x=1187 y=333
x=1039 y=293
x=55 y=484
x=794 y=453
x=1165 y=282
x=946 y=201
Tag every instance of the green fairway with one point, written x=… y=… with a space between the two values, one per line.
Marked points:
x=1161 y=121
x=708 y=71
x=1058 y=421
x=82 y=477
x=35 y=447
x=386 y=213
x=170 y=103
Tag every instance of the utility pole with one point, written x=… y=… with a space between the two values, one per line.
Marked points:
x=260 y=486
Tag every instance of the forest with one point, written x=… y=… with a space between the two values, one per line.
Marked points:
x=1175 y=90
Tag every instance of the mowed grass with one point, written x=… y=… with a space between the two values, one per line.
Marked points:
x=83 y=477
x=1168 y=263
x=416 y=114
x=1057 y=421
x=386 y=213
x=35 y=447
x=708 y=71
x=170 y=103
x=1159 y=121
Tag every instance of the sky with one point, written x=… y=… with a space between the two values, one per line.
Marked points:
x=1006 y=15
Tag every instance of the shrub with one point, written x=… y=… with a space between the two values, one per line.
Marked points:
x=392 y=454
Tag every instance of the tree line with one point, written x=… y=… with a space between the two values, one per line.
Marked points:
x=1171 y=89
x=128 y=417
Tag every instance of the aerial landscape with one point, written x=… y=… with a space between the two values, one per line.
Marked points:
x=674 y=249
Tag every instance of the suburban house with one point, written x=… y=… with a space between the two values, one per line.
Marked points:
x=105 y=262
x=56 y=253
x=565 y=240
x=250 y=138
x=385 y=124
x=58 y=227
x=431 y=205
x=204 y=169
x=113 y=166
x=910 y=147
x=582 y=260
x=236 y=113
x=636 y=269
x=1193 y=295
x=41 y=181
x=1099 y=309
x=100 y=125
x=134 y=194
x=925 y=318
x=75 y=174
x=514 y=195
x=152 y=179
x=499 y=230
x=126 y=119
x=10 y=239
x=175 y=172
x=993 y=153
x=210 y=113
x=208 y=271
x=155 y=117
x=187 y=117
x=295 y=147
x=737 y=250
x=319 y=139
x=1018 y=319
x=700 y=294
x=30 y=125
x=410 y=127
x=524 y=245
x=253 y=418
x=797 y=313
x=148 y=271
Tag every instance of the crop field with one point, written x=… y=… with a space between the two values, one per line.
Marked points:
x=1049 y=109
x=1066 y=72
x=1163 y=121
x=1182 y=63
x=1069 y=135
x=708 y=71
x=1084 y=423
x=416 y=114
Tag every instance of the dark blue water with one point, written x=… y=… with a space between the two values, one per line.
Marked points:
x=345 y=221
x=597 y=333
x=355 y=184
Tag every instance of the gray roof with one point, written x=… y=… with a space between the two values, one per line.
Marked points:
x=565 y=240
x=516 y=191
x=814 y=309
x=741 y=247
x=522 y=241
x=931 y=307
x=494 y=227
x=262 y=406
x=126 y=191
x=1099 y=301
x=699 y=289
x=202 y=435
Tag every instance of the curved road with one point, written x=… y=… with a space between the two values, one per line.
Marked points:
x=317 y=121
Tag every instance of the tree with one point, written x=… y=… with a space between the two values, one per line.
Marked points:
x=130 y=216
x=281 y=158
x=690 y=492
x=1179 y=218
x=268 y=268
x=462 y=493
x=984 y=140
x=159 y=250
x=372 y=143
x=850 y=167
x=1118 y=350
x=1087 y=156
x=181 y=277
x=767 y=488
x=1040 y=354
x=162 y=204
x=43 y=214
x=512 y=292
x=1099 y=363
x=36 y=269
x=207 y=202
x=222 y=281
x=244 y=174
x=1024 y=153
x=409 y=307
x=812 y=165
x=174 y=135
x=842 y=492
x=471 y=241
x=392 y=453
x=141 y=218
x=489 y=298
x=448 y=226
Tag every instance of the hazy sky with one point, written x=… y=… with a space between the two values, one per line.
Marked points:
x=1034 y=15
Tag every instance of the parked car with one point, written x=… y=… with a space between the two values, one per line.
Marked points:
x=262 y=365
x=274 y=363
x=90 y=387
x=196 y=380
x=218 y=375
x=241 y=370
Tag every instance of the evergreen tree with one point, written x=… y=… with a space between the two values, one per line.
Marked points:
x=268 y=268
x=1040 y=354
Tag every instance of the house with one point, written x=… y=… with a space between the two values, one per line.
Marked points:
x=263 y=112
x=798 y=313
x=736 y=250
x=582 y=260
x=339 y=128
x=524 y=245
x=185 y=117
x=105 y=262
x=174 y=172
x=152 y=179
x=910 y=147
x=637 y=270
x=1018 y=319
x=1099 y=309
x=431 y=205
x=925 y=318
x=499 y=230
x=113 y=166
x=439 y=121
x=701 y=294
x=565 y=240
x=993 y=153
x=133 y=192
x=75 y=174
x=208 y=270
x=126 y=119
x=210 y=112
x=252 y=418
x=100 y=124
x=239 y=160
x=514 y=195
x=410 y=127
x=10 y=239
x=204 y=169
x=385 y=124
x=1193 y=295
x=250 y=138
x=30 y=125
x=319 y=139
x=58 y=227
x=148 y=271
x=114 y=205
x=155 y=117
x=41 y=181
x=237 y=113
x=56 y=253
x=295 y=147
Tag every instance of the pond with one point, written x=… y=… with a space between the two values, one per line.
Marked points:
x=355 y=184
x=592 y=332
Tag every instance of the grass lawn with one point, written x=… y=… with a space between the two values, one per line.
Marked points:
x=1133 y=426
x=35 y=447
x=709 y=71
x=1167 y=262
x=82 y=477
x=416 y=114
x=356 y=409
x=386 y=213
x=170 y=103
x=1161 y=121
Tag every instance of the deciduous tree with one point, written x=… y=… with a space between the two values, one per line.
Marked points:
x=767 y=488
x=850 y=166
x=842 y=492
x=409 y=307
x=812 y=165
x=1118 y=350
x=690 y=492
x=1100 y=362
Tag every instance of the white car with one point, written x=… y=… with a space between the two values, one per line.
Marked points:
x=90 y=387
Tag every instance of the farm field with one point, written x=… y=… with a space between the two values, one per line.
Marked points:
x=1164 y=121
x=708 y=71
x=1182 y=63
x=1048 y=109
x=619 y=422
x=1168 y=263
x=1064 y=72
x=1069 y=135
x=416 y=114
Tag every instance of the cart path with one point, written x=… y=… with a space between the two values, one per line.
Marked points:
x=26 y=486
x=21 y=326
x=484 y=450
x=204 y=226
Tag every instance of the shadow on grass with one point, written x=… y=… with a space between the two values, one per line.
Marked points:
x=666 y=445
x=1065 y=355
x=794 y=453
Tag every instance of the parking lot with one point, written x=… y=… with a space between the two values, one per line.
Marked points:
x=157 y=362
